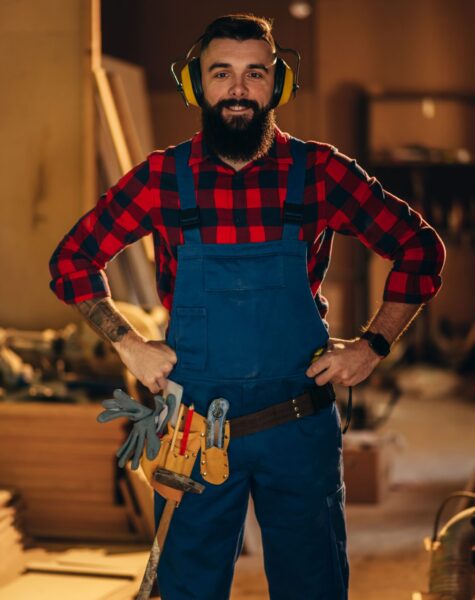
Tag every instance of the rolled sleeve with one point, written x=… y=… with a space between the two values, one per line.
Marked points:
x=121 y=217
x=358 y=205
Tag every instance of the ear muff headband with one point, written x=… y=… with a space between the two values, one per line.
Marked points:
x=191 y=89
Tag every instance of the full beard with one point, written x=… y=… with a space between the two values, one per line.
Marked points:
x=240 y=138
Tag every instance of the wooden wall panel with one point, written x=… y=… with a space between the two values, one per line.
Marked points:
x=44 y=166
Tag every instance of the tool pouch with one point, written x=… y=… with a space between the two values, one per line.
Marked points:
x=214 y=464
x=170 y=458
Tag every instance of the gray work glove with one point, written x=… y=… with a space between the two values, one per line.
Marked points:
x=144 y=430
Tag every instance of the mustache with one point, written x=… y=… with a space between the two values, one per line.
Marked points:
x=231 y=102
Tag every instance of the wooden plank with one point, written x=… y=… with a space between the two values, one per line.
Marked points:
x=100 y=513
x=82 y=496
x=96 y=476
x=135 y=89
x=119 y=92
x=113 y=120
x=47 y=410
x=144 y=496
x=101 y=487
x=86 y=436
x=124 y=559
x=42 y=586
x=133 y=510
x=86 y=534
x=139 y=287
x=71 y=454
x=98 y=571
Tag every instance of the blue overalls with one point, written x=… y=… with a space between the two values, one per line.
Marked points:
x=244 y=326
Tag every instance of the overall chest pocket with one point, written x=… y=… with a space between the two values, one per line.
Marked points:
x=191 y=337
x=258 y=272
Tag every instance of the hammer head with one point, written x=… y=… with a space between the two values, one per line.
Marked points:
x=177 y=481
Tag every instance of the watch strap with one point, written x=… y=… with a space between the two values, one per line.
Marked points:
x=377 y=342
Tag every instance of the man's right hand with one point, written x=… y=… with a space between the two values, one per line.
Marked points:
x=150 y=361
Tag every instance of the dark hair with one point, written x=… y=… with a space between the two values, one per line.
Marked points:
x=240 y=26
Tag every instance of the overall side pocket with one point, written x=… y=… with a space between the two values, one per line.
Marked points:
x=336 y=516
x=191 y=334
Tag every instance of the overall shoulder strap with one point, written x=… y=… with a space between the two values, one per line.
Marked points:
x=189 y=210
x=293 y=205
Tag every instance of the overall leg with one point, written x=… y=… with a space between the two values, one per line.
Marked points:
x=205 y=537
x=299 y=497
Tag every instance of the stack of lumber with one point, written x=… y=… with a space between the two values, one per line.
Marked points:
x=11 y=539
x=78 y=574
x=64 y=465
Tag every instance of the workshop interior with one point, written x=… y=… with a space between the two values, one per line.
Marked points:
x=87 y=93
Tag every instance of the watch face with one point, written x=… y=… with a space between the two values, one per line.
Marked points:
x=377 y=342
x=380 y=345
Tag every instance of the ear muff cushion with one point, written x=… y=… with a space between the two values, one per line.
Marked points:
x=195 y=73
x=191 y=82
x=278 y=82
x=283 y=83
x=288 y=85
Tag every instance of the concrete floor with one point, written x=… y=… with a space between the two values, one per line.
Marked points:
x=434 y=454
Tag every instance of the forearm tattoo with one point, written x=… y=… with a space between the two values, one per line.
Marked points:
x=104 y=318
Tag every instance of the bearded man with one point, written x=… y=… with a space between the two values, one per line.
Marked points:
x=243 y=217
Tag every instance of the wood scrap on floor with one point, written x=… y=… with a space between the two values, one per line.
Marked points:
x=72 y=569
x=78 y=574
x=11 y=537
x=45 y=586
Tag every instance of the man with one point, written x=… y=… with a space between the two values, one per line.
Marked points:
x=241 y=277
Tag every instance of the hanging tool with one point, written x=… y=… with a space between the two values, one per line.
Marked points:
x=173 y=485
x=178 y=485
x=215 y=422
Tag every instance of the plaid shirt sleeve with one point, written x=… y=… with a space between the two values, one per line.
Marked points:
x=121 y=216
x=357 y=205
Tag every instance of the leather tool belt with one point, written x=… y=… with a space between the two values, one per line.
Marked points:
x=214 y=464
x=306 y=404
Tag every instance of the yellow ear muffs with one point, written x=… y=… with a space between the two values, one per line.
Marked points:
x=284 y=84
x=187 y=87
x=190 y=86
x=191 y=82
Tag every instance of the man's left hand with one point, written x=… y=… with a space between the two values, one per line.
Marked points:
x=346 y=362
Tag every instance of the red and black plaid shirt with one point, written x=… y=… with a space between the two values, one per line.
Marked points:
x=247 y=206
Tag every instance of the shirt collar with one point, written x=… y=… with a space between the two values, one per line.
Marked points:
x=278 y=152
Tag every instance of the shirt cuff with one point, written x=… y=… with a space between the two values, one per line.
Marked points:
x=410 y=288
x=80 y=286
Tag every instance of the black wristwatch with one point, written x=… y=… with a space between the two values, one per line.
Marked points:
x=377 y=342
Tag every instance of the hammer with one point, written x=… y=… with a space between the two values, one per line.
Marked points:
x=172 y=487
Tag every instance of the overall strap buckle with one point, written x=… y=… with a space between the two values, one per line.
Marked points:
x=190 y=218
x=293 y=213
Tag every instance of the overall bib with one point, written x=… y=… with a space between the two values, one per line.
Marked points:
x=244 y=326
